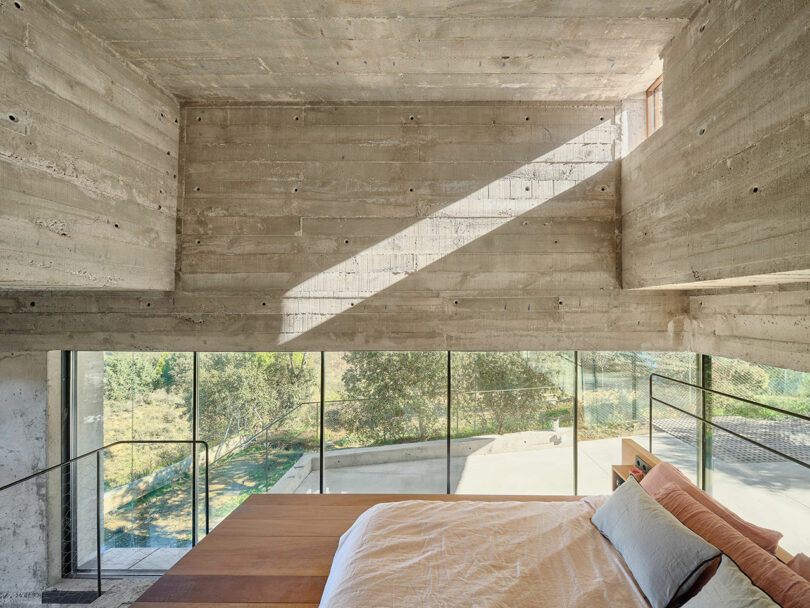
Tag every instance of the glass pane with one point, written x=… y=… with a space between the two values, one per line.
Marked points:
x=147 y=493
x=259 y=415
x=511 y=423
x=757 y=484
x=615 y=404
x=385 y=422
x=760 y=486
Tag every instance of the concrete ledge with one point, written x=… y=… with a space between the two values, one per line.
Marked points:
x=426 y=450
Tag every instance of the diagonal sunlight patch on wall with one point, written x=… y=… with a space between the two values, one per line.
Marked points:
x=344 y=285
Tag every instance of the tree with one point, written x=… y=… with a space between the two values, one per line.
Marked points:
x=391 y=396
x=241 y=393
x=504 y=388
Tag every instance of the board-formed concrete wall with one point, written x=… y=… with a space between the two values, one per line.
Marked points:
x=720 y=196
x=383 y=226
x=88 y=161
x=23 y=450
x=765 y=326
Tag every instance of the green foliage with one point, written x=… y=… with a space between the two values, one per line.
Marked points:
x=392 y=396
x=504 y=392
x=148 y=396
x=740 y=378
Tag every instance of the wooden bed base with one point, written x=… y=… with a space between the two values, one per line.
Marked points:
x=275 y=550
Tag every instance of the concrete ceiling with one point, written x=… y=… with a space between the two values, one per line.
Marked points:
x=389 y=50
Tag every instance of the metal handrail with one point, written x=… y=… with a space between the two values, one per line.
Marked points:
x=722 y=428
x=100 y=488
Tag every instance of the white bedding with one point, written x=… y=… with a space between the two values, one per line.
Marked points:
x=482 y=554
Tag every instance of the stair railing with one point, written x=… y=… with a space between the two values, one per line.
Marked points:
x=98 y=452
x=713 y=424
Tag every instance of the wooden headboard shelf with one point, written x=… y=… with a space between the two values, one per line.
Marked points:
x=632 y=450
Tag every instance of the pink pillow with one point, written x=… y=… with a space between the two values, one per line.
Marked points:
x=664 y=473
x=800 y=564
x=787 y=588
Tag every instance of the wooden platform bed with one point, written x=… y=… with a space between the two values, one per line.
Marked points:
x=292 y=536
x=276 y=550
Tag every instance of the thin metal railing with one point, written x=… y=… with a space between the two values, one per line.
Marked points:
x=702 y=419
x=100 y=487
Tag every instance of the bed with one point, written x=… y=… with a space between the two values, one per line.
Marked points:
x=472 y=553
x=301 y=551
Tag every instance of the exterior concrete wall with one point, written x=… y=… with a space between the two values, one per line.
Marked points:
x=23 y=512
x=88 y=161
x=383 y=226
x=720 y=195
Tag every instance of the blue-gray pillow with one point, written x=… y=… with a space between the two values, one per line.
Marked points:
x=664 y=556
x=730 y=588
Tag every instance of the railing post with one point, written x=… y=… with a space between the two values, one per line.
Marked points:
x=706 y=431
x=650 y=394
x=321 y=446
x=449 y=401
x=576 y=422
x=194 y=405
x=207 y=519
x=99 y=497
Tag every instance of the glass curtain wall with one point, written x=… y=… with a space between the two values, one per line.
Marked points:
x=147 y=488
x=385 y=423
x=511 y=423
x=390 y=426
x=259 y=413
x=755 y=483
x=614 y=403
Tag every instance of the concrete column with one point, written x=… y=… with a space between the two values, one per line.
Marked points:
x=23 y=509
x=88 y=418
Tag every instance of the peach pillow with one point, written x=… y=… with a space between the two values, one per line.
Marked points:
x=664 y=473
x=787 y=588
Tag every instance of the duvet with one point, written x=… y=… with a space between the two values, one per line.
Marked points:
x=479 y=554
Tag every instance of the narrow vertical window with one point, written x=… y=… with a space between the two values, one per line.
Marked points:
x=655 y=105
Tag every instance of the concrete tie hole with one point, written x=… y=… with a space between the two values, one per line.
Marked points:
x=410 y=189
x=755 y=189
x=455 y=302
x=198 y=241
x=33 y=304
x=148 y=304
x=18 y=5
x=527 y=188
x=346 y=242
x=197 y=189
x=12 y=118
x=296 y=118
x=603 y=188
x=199 y=118
x=116 y=225
x=601 y=118
x=264 y=303
x=702 y=131
x=527 y=118
x=410 y=118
